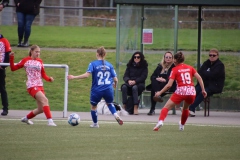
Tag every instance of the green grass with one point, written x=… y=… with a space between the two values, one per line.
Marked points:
x=79 y=90
x=93 y=37
x=134 y=141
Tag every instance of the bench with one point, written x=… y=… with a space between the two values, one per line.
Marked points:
x=207 y=104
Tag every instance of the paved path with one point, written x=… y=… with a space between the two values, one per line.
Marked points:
x=215 y=118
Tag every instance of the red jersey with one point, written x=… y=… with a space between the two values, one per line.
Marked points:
x=34 y=70
x=183 y=74
x=4 y=47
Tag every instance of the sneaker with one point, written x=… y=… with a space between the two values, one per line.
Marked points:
x=25 y=120
x=158 y=125
x=94 y=125
x=26 y=44
x=191 y=114
x=151 y=113
x=158 y=99
x=119 y=120
x=4 y=113
x=51 y=124
x=19 y=45
x=181 y=127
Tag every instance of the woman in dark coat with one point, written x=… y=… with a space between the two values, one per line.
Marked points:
x=134 y=77
x=160 y=77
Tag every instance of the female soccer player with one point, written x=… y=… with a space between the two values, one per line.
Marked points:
x=183 y=74
x=35 y=72
x=104 y=78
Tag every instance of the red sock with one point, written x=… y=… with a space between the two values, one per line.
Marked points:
x=30 y=115
x=47 y=112
x=185 y=114
x=163 y=114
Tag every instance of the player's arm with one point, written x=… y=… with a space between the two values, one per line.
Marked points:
x=200 y=81
x=115 y=80
x=17 y=66
x=165 y=88
x=44 y=75
x=82 y=76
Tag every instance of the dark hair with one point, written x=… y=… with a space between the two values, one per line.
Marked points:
x=32 y=48
x=179 y=57
x=142 y=62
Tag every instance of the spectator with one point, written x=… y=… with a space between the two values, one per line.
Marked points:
x=33 y=66
x=26 y=13
x=183 y=74
x=213 y=74
x=160 y=77
x=134 y=78
x=5 y=49
x=3 y=4
x=104 y=78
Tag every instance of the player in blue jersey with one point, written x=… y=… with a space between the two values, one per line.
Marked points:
x=104 y=78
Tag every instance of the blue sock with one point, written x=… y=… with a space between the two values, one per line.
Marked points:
x=94 y=116
x=112 y=108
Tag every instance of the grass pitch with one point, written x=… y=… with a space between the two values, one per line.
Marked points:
x=134 y=141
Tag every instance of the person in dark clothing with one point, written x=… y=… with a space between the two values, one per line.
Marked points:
x=213 y=74
x=26 y=13
x=3 y=4
x=160 y=77
x=134 y=77
x=5 y=50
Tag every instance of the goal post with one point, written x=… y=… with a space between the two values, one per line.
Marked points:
x=65 y=81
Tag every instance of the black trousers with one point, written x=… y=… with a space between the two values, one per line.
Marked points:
x=133 y=91
x=3 y=91
x=156 y=86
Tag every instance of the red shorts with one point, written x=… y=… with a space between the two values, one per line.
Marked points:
x=177 y=99
x=33 y=90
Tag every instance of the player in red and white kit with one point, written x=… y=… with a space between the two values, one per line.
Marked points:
x=183 y=74
x=35 y=72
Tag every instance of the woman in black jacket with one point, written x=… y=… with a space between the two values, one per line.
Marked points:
x=26 y=10
x=160 y=77
x=134 y=78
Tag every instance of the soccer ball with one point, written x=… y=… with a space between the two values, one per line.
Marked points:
x=74 y=119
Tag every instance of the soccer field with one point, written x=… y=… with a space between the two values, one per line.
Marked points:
x=135 y=141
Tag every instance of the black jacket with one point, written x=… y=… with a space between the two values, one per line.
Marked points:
x=157 y=73
x=213 y=75
x=28 y=6
x=137 y=73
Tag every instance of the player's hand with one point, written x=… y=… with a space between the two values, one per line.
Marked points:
x=114 y=84
x=11 y=54
x=70 y=77
x=204 y=94
x=157 y=94
x=51 y=79
x=1 y=7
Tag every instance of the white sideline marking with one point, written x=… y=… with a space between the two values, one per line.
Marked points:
x=86 y=121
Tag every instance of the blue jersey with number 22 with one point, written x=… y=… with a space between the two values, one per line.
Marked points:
x=102 y=75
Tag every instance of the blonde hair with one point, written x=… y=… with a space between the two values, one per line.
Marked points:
x=102 y=53
x=32 y=48
x=163 y=62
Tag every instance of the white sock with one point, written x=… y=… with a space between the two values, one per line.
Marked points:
x=50 y=120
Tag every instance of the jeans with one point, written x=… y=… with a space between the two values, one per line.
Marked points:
x=24 y=26
x=3 y=91
x=199 y=97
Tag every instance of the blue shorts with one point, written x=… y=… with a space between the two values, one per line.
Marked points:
x=96 y=96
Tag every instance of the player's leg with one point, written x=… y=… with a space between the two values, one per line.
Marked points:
x=185 y=112
x=108 y=97
x=175 y=99
x=43 y=106
x=94 y=99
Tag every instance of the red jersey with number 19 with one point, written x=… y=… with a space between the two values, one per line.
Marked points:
x=183 y=74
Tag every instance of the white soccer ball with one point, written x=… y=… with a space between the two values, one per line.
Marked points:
x=74 y=119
